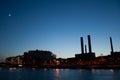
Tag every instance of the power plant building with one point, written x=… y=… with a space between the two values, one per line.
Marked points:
x=85 y=56
x=114 y=55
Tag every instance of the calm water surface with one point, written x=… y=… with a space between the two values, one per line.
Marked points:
x=58 y=74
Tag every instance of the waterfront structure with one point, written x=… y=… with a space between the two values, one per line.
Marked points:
x=114 y=55
x=37 y=58
x=61 y=61
x=16 y=60
x=112 y=59
x=85 y=56
x=46 y=59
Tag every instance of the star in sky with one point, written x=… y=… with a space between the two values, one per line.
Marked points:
x=9 y=15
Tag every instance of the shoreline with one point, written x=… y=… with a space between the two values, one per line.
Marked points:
x=64 y=66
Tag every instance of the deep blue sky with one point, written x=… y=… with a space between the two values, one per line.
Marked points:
x=57 y=25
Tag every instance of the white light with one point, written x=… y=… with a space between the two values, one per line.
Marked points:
x=20 y=65
x=9 y=15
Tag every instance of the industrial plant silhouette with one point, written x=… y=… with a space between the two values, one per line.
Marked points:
x=46 y=59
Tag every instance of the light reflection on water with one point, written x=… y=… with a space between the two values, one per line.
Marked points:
x=33 y=69
x=58 y=74
x=111 y=70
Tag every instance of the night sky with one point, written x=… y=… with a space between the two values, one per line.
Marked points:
x=57 y=25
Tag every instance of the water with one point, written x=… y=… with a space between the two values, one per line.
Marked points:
x=58 y=74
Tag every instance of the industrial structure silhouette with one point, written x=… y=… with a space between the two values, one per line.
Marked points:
x=46 y=59
x=85 y=56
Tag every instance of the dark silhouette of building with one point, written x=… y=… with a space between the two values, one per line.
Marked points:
x=37 y=58
x=114 y=55
x=16 y=60
x=85 y=56
x=112 y=59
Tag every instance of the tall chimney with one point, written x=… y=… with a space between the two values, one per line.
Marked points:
x=111 y=45
x=89 y=44
x=85 y=49
x=82 y=45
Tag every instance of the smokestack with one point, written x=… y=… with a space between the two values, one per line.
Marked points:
x=89 y=44
x=111 y=45
x=85 y=49
x=82 y=45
